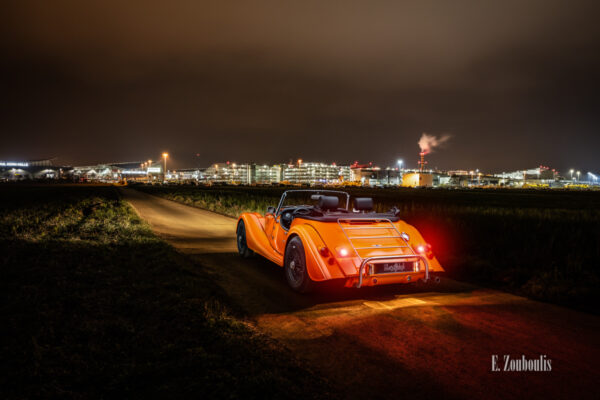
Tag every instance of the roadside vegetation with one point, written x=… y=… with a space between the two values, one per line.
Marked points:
x=544 y=244
x=94 y=305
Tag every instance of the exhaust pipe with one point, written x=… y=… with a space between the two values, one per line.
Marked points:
x=432 y=280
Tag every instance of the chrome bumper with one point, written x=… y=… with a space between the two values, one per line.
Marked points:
x=400 y=257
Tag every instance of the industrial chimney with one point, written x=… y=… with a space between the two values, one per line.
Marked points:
x=422 y=162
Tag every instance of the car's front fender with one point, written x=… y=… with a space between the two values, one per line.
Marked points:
x=256 y=238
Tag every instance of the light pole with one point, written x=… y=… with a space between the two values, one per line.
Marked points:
x=571 y=171
x=165 y=155
x=400 y=162
x=578 y=173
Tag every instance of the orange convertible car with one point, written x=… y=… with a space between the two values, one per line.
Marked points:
x=328 y=240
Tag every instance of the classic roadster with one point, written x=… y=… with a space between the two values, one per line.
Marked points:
x=315 y=236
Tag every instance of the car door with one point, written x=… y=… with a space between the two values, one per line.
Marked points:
x=270 y=223
x=278 y=236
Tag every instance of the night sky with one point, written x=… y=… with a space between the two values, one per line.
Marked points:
x=515 y=83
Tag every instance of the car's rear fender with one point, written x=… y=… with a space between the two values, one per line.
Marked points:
x=416 y=239
x=319 y=267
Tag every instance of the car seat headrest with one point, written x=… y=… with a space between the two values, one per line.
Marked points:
x=328 y=203
x=363 y=203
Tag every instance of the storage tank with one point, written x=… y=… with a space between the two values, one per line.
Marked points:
x=417 y=179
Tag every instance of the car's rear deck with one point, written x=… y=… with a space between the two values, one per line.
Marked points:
x=384 y=253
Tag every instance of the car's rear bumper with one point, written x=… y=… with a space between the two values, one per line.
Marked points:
x=386 y=279
x=366 y=276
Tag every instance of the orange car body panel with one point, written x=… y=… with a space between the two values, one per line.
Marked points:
x=266 y=236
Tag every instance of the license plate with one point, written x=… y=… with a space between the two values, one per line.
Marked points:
x=394 y=267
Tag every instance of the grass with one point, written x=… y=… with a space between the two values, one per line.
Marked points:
x=538 y=243
x=94 y=305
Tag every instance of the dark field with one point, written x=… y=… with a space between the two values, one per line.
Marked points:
x=541 y=244
x=94 y=305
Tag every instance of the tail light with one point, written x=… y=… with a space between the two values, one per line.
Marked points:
x=424 y=249
x=324 y=251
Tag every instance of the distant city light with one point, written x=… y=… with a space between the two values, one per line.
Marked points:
x=13 y=164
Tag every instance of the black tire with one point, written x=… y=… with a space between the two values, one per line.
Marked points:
x=294 y=267
x=241 y=241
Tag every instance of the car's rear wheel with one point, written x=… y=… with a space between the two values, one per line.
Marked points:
x=296 y=272
x=241 y=241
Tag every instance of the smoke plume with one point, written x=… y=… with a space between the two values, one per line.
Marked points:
x=428 y=142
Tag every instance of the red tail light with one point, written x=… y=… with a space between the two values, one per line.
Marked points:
x=425 y=249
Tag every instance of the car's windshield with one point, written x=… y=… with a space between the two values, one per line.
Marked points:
x=309 y=198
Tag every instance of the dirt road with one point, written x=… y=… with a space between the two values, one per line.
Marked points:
x=394 y=342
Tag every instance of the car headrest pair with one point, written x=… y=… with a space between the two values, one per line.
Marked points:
x=328 y=203
x=363 y=203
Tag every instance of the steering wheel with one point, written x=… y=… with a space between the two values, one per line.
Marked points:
x=302 y=211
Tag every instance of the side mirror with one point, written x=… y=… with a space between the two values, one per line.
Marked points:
x=270 y=210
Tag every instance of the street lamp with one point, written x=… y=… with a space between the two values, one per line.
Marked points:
x=593 y=176
x=578 y=173
x=400 y=162
x=165 y=155
x=571 y=171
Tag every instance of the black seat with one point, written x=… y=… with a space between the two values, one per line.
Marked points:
x=329 y=203
x=363 y=204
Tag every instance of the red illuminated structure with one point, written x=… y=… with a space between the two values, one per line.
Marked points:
x=422 y=162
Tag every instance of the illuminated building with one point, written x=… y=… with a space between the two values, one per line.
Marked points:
x=368 y=175
x=417 y=179
x=11 y=170
x=266 y=174
x=229 y=173
x=315 y=173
